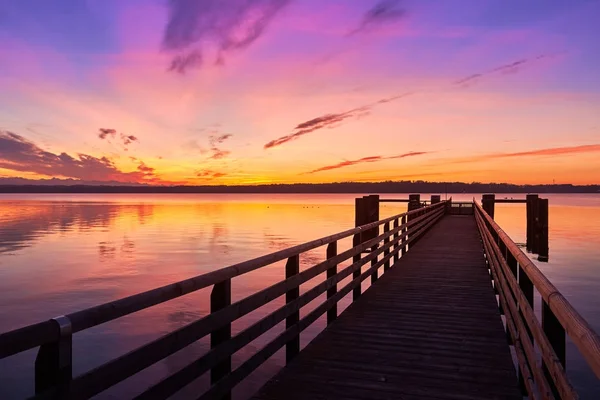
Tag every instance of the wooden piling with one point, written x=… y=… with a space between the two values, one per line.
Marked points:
x=542 y=230
x=366 y=211
x=531 y=204
x=488 y=202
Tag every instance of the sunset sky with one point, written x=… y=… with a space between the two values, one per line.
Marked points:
x=284 y=91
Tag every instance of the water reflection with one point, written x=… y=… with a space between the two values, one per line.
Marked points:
x=22 y=224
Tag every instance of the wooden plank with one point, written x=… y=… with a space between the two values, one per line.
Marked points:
x=414 y=332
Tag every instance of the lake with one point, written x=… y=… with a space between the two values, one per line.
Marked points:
x=63 y=253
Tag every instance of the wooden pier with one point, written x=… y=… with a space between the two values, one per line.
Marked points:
x=448 y=315
x=429 y=328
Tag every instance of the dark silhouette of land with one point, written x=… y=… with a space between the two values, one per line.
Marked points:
x=338 y=187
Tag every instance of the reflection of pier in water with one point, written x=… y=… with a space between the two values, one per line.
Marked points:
x=430 y=325
x=38 y=219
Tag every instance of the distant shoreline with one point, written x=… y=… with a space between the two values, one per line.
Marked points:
x=325 y=188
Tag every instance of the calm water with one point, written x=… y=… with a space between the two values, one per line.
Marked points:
x=62 y=253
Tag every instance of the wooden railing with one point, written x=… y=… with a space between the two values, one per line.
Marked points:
x=53 y=365
x=515 y=277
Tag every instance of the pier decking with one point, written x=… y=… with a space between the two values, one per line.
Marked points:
x=449 y=315
x=428 y=328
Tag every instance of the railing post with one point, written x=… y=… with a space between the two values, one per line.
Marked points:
x=555 y=333
x=54 y=361
x=512 y=263
x=404 y=231
x=527 y=287
x=396 y=245
x=356 y=274
x=292 y=267
x=220 y=297
x=386 y=229
x=374 y=260
x=331 y=272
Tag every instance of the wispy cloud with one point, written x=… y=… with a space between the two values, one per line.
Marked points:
x=364 y=160
x=324 y=121
x=209 y=174
x=109 y=133
x=330 y=120
x=552 y=151
x=384 y=11
x=105 y=132
x=227 y=25
x=510 y=68
x=20 y=154
x=215 y=141
x=128 y=139
x=182 y=62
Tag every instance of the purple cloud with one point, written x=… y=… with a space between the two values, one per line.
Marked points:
x=330 y=120
x=510 y=68
x=209 y=174
x=128 y=139
x=227 y=25
x=20 y=154
x=363 y=160
x=384 y=11
x=215 y=141
x=105 y=132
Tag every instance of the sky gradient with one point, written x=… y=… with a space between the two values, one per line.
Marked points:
x=285 y=91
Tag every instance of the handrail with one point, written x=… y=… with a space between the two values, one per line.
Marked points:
x=53 y=366
x=505 y=258
x=38 y=334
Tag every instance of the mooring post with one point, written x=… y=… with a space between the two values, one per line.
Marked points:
x=292 y=267
x=366 y=210
x=360 y=212
x=542 y=233
x=488 y=202
x=414 y=203
x=531 y=204
x=54 y=361
x=331 y=272
x=220 y=297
